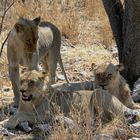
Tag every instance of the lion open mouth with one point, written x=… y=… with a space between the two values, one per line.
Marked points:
x=26 y=98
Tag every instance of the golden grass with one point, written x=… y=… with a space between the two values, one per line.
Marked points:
x=120 y=129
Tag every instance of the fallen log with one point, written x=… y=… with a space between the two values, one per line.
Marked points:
x=71 y=87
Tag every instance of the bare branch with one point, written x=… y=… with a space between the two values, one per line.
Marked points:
x=3 y=44
x=4 y=14
x=2 y=21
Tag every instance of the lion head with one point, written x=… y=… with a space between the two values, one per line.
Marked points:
x=32 y=87
x=27 y=33
x=106 y=74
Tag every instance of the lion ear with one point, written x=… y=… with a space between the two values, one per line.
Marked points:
x=120 y=67
x=19 y=27
x=36 y=21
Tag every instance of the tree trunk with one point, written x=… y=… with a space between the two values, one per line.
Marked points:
x=114 y=10
x=126 y=29
x=131 y=33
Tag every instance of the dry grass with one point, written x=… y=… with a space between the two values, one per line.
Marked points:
x=119 y=129
x=83 y=24
x=87 y=25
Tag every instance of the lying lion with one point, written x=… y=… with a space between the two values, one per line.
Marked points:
x=37 y=106
x=108 y=77
x=90 y=104
x=34 y=107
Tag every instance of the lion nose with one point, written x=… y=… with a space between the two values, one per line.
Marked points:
x=103 y=86
x=22 y=90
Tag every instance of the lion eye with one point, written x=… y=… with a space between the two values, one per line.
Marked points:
x=31 y=82
x=109 y=75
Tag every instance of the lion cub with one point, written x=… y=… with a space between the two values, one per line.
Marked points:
x=29 y=42
x=108 y=77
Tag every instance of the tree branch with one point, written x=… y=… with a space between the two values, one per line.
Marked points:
x=4 y=14
x=3 y=44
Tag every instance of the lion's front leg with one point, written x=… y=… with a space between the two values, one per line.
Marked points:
x=14 y=77
x=13 y=67
x=16 y=119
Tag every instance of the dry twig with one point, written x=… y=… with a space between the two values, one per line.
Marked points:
x=3 y=44
x=4 y=13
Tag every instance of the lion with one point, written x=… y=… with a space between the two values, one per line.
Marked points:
x=31 y=42
x=89 y=103
x=34 y=106
x=108 y=77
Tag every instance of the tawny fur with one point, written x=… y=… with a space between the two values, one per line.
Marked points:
x=36 y=109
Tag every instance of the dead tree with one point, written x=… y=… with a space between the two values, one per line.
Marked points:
x=6 y=7
x=5 y=10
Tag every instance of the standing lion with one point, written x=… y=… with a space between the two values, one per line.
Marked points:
x=29 y=42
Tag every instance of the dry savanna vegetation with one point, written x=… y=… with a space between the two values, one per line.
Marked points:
x=85 y=25
x=79 y=20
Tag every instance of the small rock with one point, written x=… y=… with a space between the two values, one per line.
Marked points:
x=136 y=91
x=80 y=3
x=5 y=132
x=60 y=77
x=103 y=137
x=132 y=115
x=114 y=51
x=131 y=118
x=134 y=138
x=10 y=110
x=137 y=125
x=68 y=123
